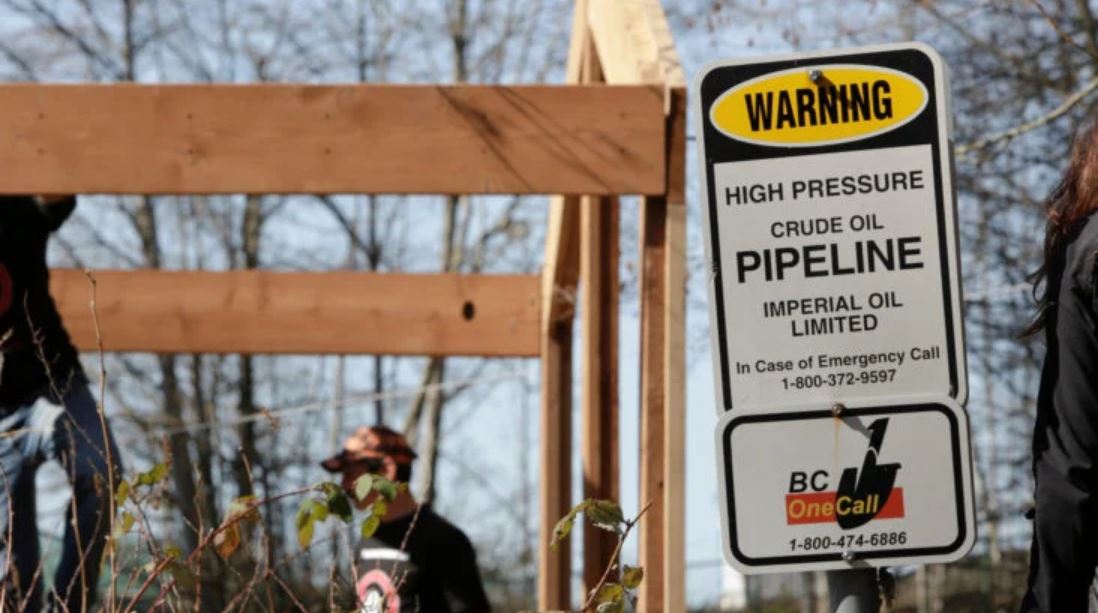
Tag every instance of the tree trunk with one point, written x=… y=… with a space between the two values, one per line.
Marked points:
x=428 y=464
x=249 y=466
x=451 y=260
x=171 y=404
x=212 y=585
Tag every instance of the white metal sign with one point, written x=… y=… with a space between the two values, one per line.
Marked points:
x=831 y=228
x=876 y=486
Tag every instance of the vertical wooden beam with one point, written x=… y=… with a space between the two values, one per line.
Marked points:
x=554 y=565
x=599 y=230
x=663 y=365
x=674 y=360
x=634 y=42
x=653 y=401
x=559 y=277
x=599 y=248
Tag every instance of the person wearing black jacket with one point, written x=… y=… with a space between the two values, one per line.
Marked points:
x=415 y=560
x=47 y=412
x=1064 y=552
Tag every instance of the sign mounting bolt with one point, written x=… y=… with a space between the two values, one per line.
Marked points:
x=815 y=75
x=838 y=409
x=849 y=556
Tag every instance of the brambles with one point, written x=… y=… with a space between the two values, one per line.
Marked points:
x=608 y=596
x=333 y=501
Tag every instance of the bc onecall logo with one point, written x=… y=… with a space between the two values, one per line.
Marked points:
x=861 y=496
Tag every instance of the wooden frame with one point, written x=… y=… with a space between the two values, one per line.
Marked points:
x=617 y=128
x=635 y=46
x=247 y=311
x=202 y=139
x=624 y=42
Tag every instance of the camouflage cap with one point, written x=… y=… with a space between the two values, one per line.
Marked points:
x=371 y=443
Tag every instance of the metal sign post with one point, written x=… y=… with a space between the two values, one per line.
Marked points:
x=838 y=346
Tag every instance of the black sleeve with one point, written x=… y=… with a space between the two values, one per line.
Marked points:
x=1094 y=285
x=462 y=579
x=55 y=212
x=1064 y=558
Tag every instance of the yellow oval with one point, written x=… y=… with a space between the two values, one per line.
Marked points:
x=847 y=102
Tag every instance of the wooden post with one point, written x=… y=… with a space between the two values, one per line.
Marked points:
x=653 y=288
x=555 y=565
x=599 y=314
x=557 y=307
x=652 y=233
x=599 y=228
x=674 y=360
x=634 y=45
x=662 y=531
x=663 y=365
x=559 y=277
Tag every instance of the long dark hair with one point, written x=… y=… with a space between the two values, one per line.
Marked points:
x=1068 y=206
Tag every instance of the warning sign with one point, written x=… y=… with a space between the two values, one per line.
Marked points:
x=831 y=228
x=874 y=486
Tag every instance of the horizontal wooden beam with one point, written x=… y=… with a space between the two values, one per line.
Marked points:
x=191 y=139
x=302 y=313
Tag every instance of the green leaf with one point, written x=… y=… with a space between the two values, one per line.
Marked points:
x=303 y=516
x=124 y=524
x=305 y=534
x=122 y=493
x=605 y=514
x=227 y=541
x=303 y=521
x=154 y=475
x=363 y=486
x=158 y=472
x=565 y=524
x=386 y=488
x=340 y=506
x=318 y=509
x=614 y=606
x=379 y=509
x=610 y=592
x=173 y=552
x=369 y=526
x=562 y=530
x=632 y=576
